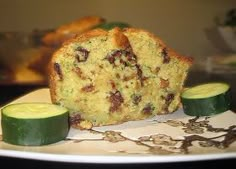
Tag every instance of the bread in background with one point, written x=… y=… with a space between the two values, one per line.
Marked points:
x=66 y=31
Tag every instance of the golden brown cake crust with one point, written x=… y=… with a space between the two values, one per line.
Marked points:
x=81 y=25
x=86 y=35
x=120 y=39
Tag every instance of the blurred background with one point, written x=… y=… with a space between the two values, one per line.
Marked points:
x=202 y=29
x=180 y=23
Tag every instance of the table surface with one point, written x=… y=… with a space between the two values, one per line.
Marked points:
x=13 y=91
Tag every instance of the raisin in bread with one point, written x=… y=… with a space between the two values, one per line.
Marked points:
x=109 y=77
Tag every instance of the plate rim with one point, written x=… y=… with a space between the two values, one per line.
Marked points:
x=119 y=159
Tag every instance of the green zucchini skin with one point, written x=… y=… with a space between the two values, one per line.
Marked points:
x=207 y=106
x=34 y=132
x=110 y=25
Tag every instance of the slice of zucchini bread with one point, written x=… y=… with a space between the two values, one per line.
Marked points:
x=109 y=77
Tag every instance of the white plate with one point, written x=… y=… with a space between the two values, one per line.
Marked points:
x=160 y=139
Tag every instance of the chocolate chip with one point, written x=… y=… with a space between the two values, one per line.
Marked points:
x=75 y=119
x=116 y=100
x=168 y=99
x=129 y=58
x=166 y=57
x=57 y=68
x=81 y=54
x=140 y=74
x=136 y=98
x=149 y=108
x=113 y=55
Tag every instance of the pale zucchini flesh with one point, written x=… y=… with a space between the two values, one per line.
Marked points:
x=33 y=110
x=205 y=90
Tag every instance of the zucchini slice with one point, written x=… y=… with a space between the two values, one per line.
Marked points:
x=34 y=124
x=206 y=99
